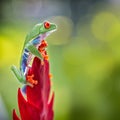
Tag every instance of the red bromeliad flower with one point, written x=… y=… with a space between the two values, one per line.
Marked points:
x=37 y=105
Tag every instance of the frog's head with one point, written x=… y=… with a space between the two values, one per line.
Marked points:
x=43 y=29
x=46 y=28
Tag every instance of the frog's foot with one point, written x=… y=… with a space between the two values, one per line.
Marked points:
x=45 y=56
x=42 y=50
x=43 y=45
x=44 y=53
x=31 y=80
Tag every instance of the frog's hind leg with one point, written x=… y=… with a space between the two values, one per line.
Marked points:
x=18 y=74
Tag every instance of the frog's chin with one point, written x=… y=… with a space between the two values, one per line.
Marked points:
x=45 y=35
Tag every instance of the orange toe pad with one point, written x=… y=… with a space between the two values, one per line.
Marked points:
x=31 y=80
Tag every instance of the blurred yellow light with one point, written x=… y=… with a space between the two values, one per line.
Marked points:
x=8 y=51
x=105 y=26
x=64 y=29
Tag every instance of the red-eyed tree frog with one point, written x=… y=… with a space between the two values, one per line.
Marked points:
x=30 y=49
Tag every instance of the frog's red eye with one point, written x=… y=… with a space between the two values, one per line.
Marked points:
x=47 y=25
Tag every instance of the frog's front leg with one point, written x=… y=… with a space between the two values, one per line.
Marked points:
x=32 y=49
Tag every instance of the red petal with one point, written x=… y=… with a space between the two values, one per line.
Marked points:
x=46 y=81
x=27 y=110
x=50 y=114
x=34 y=95
x=39 y=92
x=15 y=117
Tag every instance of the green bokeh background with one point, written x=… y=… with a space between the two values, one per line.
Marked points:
x=84 y=61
